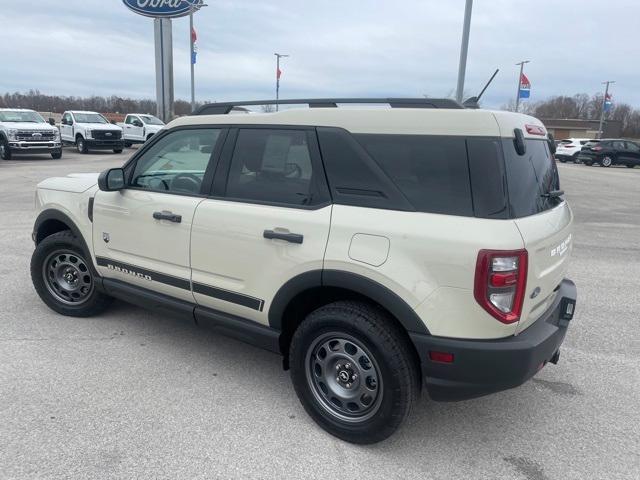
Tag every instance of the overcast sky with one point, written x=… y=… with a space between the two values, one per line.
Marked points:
x=337 y=48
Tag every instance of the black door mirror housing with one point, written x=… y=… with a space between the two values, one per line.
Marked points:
x=52 y=122
x=137 y=123
x=519 y=142
x=552 y=143
x=111 y=180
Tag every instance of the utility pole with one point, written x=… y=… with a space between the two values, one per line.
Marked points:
x=604 y=101
x=464 y=47
x=519 y=79
x=278 y=56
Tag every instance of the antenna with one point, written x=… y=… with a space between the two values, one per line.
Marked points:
x=472 y=102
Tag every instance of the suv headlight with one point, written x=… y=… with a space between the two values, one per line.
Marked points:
x=11 y=133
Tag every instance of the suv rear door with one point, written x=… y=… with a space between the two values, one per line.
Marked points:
x=266 y=221
x=545 y=223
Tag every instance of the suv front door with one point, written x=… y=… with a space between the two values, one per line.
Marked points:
x=141 y=234
x=266 y=222
x=66 y=128
x=631 y=156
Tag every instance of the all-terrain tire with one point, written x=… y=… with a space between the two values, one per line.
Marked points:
x=64 y=277
x=371 y=345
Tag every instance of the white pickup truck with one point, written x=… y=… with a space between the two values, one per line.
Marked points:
x=139 y=127
x=90 y=131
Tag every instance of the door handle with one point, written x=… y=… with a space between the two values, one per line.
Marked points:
x=166 y=215
x=287 y=237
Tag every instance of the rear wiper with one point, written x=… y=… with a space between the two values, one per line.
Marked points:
x=553 y=194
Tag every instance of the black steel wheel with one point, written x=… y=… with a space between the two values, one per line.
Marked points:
x=344 y=377
x=64 y=278
x=354 y=371
x=81 y=145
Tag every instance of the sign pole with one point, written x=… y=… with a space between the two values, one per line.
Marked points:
x=164 y=68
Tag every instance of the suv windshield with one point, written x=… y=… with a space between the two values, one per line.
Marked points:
x=89 y=118
x=151 y=120
x=530 y=177
x=20 y=116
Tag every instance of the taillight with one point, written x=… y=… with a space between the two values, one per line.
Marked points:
x=534 y=130
x=500 y=283
x=596 y=149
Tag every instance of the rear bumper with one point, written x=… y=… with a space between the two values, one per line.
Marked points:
x=481 y=367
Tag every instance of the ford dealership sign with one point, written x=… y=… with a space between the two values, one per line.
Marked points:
x=163 y=8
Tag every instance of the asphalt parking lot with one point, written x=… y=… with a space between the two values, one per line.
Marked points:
x=131 y=394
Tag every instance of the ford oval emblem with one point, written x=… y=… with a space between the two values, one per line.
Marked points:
x=163 y=8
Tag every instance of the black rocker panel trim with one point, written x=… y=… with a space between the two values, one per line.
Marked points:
x=229 y=325
x=183 y=283
x=229 y=296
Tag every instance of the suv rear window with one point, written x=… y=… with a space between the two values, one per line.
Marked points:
x=431 y=171
x=529 y=177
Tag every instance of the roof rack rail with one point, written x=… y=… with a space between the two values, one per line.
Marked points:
x=224 y=108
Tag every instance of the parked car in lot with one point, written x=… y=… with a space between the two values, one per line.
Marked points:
x=90 y=131
x=140 y=127
x=609 y=152
x=370 y=248
x=24 y=131
x=567 y=150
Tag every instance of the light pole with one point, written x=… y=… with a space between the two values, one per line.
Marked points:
x=519 y=80
x=278 y=56
x=464 y=47
x=604 y=102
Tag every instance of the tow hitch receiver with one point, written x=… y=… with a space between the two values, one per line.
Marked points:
x=567 y=309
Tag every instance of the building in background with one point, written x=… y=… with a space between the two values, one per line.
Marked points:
x=562 y=128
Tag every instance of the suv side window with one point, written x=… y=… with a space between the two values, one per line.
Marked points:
x=633 y=147
x=618 y=145
x=177 y=162
x=272 y=165
x=431 y=171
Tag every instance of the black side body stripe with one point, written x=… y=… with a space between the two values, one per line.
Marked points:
x=185 y=284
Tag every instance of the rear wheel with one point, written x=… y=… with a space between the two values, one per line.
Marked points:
x=64 y=278
x=606 y=161
x=354 y=371
x=128 y=144
x=5 y=151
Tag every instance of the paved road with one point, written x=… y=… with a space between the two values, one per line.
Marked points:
x=136 y=395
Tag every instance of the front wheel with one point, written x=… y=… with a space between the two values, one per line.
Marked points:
x=81 y=145
x=117 y=150
x=354 y=371
x=64 y=278
x=5 y=151
x=56 y=155
x=606 y=161
x=630 y=165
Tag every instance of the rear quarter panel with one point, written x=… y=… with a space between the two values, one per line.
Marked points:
x=430 y=262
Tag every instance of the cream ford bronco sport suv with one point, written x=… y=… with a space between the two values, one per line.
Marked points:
x=378 y=250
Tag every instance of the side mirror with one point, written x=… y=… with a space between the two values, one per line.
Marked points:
x=518 y=142
x=52 y=122
x=111 y=180
x=137 y=123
